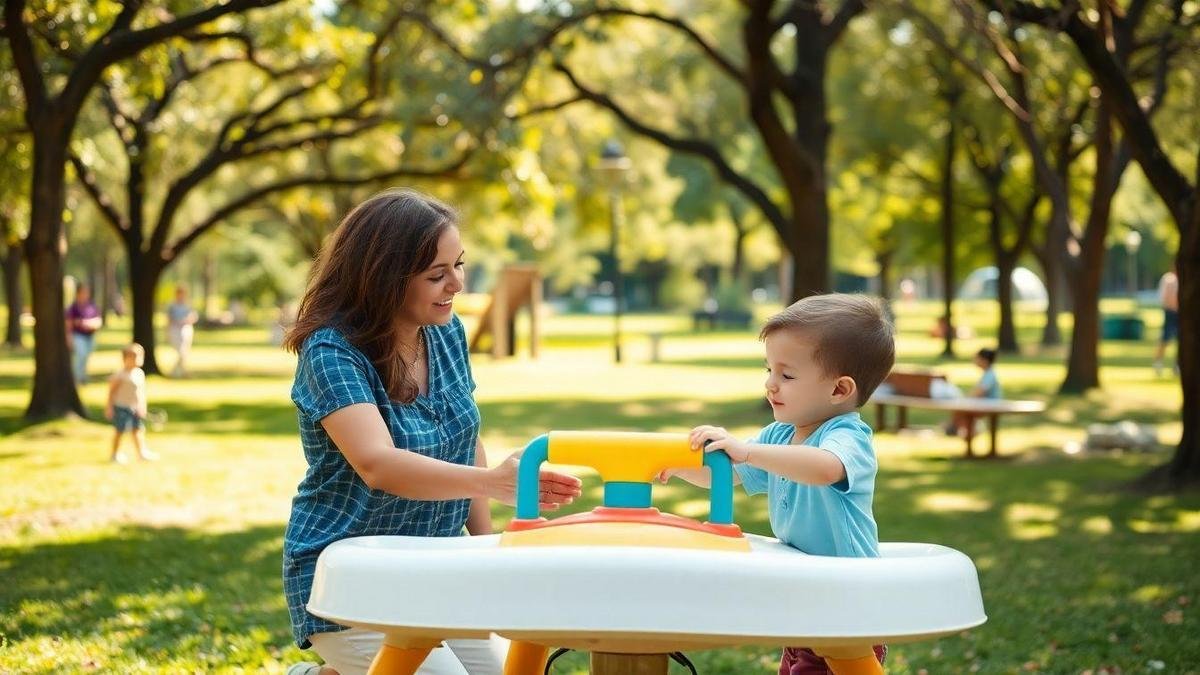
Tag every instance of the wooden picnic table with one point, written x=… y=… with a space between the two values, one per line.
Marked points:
x=972 y=408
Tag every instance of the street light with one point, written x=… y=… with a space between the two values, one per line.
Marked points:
x=1133 y=240
x=614 y=165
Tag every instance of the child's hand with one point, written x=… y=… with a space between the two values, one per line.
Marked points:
x=108 y=412
x=719 y=439
x=665 y=475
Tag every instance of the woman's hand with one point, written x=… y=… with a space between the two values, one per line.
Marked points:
x=554 y=489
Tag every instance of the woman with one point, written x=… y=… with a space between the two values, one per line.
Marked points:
x=390 y=428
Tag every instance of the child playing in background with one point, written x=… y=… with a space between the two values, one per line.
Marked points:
x=126 y=405
x=825 y=355
x=988 y=386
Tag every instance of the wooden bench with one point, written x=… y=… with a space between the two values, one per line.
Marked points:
x=911 y=390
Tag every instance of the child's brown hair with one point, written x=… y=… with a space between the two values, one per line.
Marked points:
x=853 y=336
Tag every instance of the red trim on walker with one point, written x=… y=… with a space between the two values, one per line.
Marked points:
x=607 y=514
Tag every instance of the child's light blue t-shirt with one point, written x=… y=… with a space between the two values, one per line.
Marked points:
x=831 y=520
x=989 y=384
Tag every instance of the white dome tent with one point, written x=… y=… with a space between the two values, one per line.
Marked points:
x=981 y=285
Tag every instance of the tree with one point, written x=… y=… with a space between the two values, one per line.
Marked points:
x=289 y=108
x=51 y=118
x=14 y=165
x=994 y=167
x=1098 y=45
x=10 y=267
x=1082 y=252
x=787 y=107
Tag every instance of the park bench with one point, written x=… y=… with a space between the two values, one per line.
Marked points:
x=911 y=389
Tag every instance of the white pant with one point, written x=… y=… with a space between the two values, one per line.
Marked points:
x=350 y=653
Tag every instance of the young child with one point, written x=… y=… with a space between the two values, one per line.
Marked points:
x=825 y=355
x=988 y=386
x=126 y=405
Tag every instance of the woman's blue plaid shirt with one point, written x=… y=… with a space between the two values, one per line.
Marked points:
x=332 y=502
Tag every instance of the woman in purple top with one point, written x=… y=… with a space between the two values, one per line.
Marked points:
x=83 y=320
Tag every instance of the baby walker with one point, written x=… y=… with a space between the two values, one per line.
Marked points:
x=632 y=585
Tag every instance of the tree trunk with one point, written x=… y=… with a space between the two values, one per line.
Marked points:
x=1083 y=363
x=1052 y=271
x=799 y=153
x=884 y=260
x=12 y=295
x=1007 y=338
x=1184 y=468
x=810 y=245
x=811 y=274
x=739 y=244
x=947 y=206
x=54 y=393
x=1006 y=260
x=107 y=283
x=208 y=276
x=143 y=281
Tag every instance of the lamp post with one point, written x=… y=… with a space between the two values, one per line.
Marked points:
x=1133 y=240
x=614 y=165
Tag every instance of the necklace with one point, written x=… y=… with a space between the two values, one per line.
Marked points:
x=417 y=350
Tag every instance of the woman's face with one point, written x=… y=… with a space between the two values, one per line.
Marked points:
x=430 y=294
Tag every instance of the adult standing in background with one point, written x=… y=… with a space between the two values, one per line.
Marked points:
x=1168 y=295
x=180 y=321
x=83 y=320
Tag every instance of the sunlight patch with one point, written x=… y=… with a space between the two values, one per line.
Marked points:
x=1150 y=593
x=1185 y=521
x=953 y=501
x=692 y=508
x=1032 y=521
x=692 y=406
x=1097 y=525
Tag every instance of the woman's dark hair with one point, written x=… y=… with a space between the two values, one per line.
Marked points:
x=360 y=278
x=988 y=355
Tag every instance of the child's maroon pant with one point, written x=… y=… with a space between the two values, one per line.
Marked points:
x=804 y=661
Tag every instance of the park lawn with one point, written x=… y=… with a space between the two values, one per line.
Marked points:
x=173 y=566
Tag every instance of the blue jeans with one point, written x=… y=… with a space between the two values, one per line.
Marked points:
x=81 y=348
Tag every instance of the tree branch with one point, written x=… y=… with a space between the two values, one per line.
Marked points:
x=120 y=43
x=179 y=246
x=546 y=107
x=723 y=62
x=694 y=146
x=92 y=186
x=24 y=58
x=1168 y=181
x=841 y=19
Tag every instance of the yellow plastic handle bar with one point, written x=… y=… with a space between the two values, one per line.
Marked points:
x=622 y=455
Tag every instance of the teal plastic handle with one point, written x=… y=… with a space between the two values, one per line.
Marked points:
x=623 y=494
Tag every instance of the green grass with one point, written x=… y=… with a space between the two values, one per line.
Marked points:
x=174 y=566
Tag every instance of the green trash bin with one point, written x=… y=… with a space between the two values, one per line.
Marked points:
x=1122 y=328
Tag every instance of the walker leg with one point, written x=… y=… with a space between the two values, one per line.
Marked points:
x=629 y=664
x=525 y=658
x=399 y=659
x=851 y=660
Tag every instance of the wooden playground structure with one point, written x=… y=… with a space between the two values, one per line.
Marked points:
x=516 y=287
